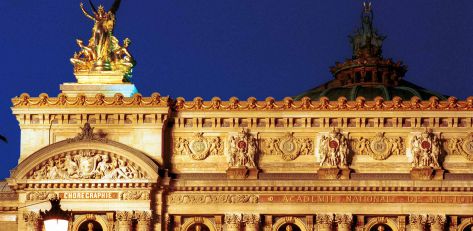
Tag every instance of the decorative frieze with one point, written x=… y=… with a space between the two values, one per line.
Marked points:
x=461 y=146
x=288 y=147
x=134 y=195
x=379 y=147
x=86 y=164
x=198 y=147
x=213 y=198
x=40 y=196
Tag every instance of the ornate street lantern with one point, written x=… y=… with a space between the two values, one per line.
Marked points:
x=56 y=219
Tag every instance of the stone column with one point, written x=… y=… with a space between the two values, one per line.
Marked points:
x=232 y=222
x=124 y=220
x=344 y=221
x=324 y=222
x=32 y=220
x=143 y=219
x=417 y=222
x=437 y=222
x=251 y=222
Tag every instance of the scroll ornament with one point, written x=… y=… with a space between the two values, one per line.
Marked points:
x=213 y=198
x=242 y=151
x=288 y=147
x=86 y=164
x=425 y=150
x=198 y=147
x=334 y=150
x=135 y=195
x=462 y=146
x=379 y=147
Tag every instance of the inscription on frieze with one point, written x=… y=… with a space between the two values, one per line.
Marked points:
x=327 y=198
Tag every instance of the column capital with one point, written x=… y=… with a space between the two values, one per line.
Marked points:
x=344 y=219
x=417 y=222
x=124 y=215
x=251 y=218
x=232 y=221
x=326 y=218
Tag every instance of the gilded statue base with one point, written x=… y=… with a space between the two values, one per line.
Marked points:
x=91 y=90
x=427 y=174
x=333 y=173
x=240 y=173
x=99 y=77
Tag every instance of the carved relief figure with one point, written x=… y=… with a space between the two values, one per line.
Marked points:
x=333 y=150
x=461 y=146
x=242 y=151
x=425 y=149
x=86 y=164
x=289 y=147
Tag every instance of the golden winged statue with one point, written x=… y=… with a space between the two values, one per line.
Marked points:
x=103 y=52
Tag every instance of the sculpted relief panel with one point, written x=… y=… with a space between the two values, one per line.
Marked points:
x=288 y=147
x=379 y=147
x=198 y=147
x=86 y=164
x=425 y=150
x=333 y=150
x=242 y=150
x=461 y=146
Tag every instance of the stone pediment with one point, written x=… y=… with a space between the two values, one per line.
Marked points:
x=85 y=161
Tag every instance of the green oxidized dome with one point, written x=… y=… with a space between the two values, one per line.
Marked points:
x=368 y=74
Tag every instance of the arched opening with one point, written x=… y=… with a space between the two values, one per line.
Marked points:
x=289 y=227
x=381 y=227
x=90 y=225
x=198 y=227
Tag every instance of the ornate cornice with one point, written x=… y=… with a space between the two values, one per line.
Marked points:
x=360 y=104
x=251 y=104
x=62 y=100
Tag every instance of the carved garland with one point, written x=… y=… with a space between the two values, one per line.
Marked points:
x=198 y=147
x=288 y=147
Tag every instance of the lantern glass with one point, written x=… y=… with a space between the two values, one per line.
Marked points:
x=56 y=225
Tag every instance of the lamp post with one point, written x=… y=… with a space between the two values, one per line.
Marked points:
x=55 y=219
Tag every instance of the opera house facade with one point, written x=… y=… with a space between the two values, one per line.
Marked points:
x=366 y=151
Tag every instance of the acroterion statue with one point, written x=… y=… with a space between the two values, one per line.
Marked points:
x=103 y=54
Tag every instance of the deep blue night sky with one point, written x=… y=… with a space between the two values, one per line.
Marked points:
x=230 y=48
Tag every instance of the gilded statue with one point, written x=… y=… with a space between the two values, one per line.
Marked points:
x=103 y=52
